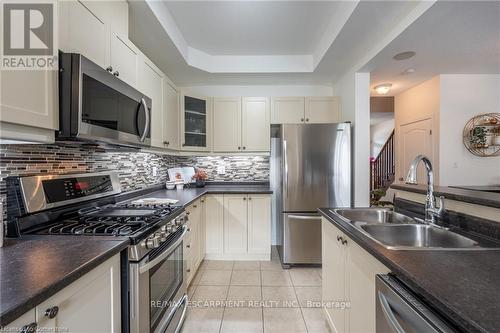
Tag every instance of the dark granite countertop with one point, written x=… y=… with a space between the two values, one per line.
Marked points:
x=188 y=195
x=490 y=199
x=461 y=285
x=35 y=267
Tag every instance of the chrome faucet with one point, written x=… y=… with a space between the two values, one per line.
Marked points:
x=431 y=211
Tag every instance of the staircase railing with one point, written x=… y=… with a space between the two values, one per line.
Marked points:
x=382 y=167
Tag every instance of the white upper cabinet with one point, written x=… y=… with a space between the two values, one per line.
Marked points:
x=256 y=124
x=124 y=58
x=171 y=121
x=322 y=110
x=196 y=122
x=29 y=105
x=305 y=110
x=151 y=84
x=287 y=110
x=226 y=124
x=83 y=31
x=99 y=31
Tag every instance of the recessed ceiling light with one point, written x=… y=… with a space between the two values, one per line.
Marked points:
x=404 y=55
x=383 y=89
x=408 y=71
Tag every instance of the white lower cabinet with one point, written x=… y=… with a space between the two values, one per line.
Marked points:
x=90 y=304
x=259 y=223
x=238 y=227
x=235 y=224
x=194 y=242
x=348 y=274
x=214 y=224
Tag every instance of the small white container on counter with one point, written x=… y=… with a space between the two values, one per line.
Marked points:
x=170 y=184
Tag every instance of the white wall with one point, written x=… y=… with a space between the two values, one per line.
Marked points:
x=380 y=131
x=264 y=90
x=354 y=92
x=462 y=97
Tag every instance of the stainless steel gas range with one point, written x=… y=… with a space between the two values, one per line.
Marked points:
x=153 y=281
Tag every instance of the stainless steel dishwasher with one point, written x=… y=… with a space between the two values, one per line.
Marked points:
x=400 y=312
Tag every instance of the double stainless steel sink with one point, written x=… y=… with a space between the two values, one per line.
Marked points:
x=400 y=232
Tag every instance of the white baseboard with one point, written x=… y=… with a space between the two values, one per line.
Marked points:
x=241 y=257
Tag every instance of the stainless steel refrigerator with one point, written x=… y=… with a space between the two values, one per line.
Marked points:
x=314 y=170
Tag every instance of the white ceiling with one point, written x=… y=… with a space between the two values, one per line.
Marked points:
x=208 y=50
x=452 y=37
x=253 y=28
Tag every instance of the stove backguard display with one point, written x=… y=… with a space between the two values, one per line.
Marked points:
x=63 y=189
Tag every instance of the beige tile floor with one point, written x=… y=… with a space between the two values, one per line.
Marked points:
x=252 y=296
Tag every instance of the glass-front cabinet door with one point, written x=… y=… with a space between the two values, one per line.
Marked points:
x=196 y=122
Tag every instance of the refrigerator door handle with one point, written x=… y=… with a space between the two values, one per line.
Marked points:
x=285 y=160
x=304 y=217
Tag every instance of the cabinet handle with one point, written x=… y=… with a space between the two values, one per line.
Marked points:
x=188 y=270
x=249 y=198
x=109 y=69
x=344 y=241
x=116 y=73
x=244 y=147
x=187 y=213
x=51 y=312
x=166 y=143
x=339 y=238
x=195 y=206
x=244 y=198
x=189 y=229
x=30 y=328
x=188 y=246
x=202 y=201
x=307 y=119
x=302 y=119
x=239 y=148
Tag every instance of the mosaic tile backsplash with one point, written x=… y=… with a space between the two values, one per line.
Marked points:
x=135 y=168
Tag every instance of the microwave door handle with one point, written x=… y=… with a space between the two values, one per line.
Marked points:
x=389 y=315
x=146 y=125
x=144 y=267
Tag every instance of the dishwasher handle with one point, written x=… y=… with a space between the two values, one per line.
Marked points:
x=389 y=314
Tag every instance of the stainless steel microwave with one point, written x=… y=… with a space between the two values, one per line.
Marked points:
x=95 y=105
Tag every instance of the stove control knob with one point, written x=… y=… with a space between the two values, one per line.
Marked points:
x=156 y=241
x=170 y=228
x=163 y=236
x=143 y=244
x=150 y=243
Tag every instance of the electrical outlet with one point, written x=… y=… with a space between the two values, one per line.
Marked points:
x=155 y=171
x=221 y=169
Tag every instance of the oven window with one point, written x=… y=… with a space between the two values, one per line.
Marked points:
x=164 y=281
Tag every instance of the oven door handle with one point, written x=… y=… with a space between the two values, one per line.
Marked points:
x=183 y=315
x=146 y=266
